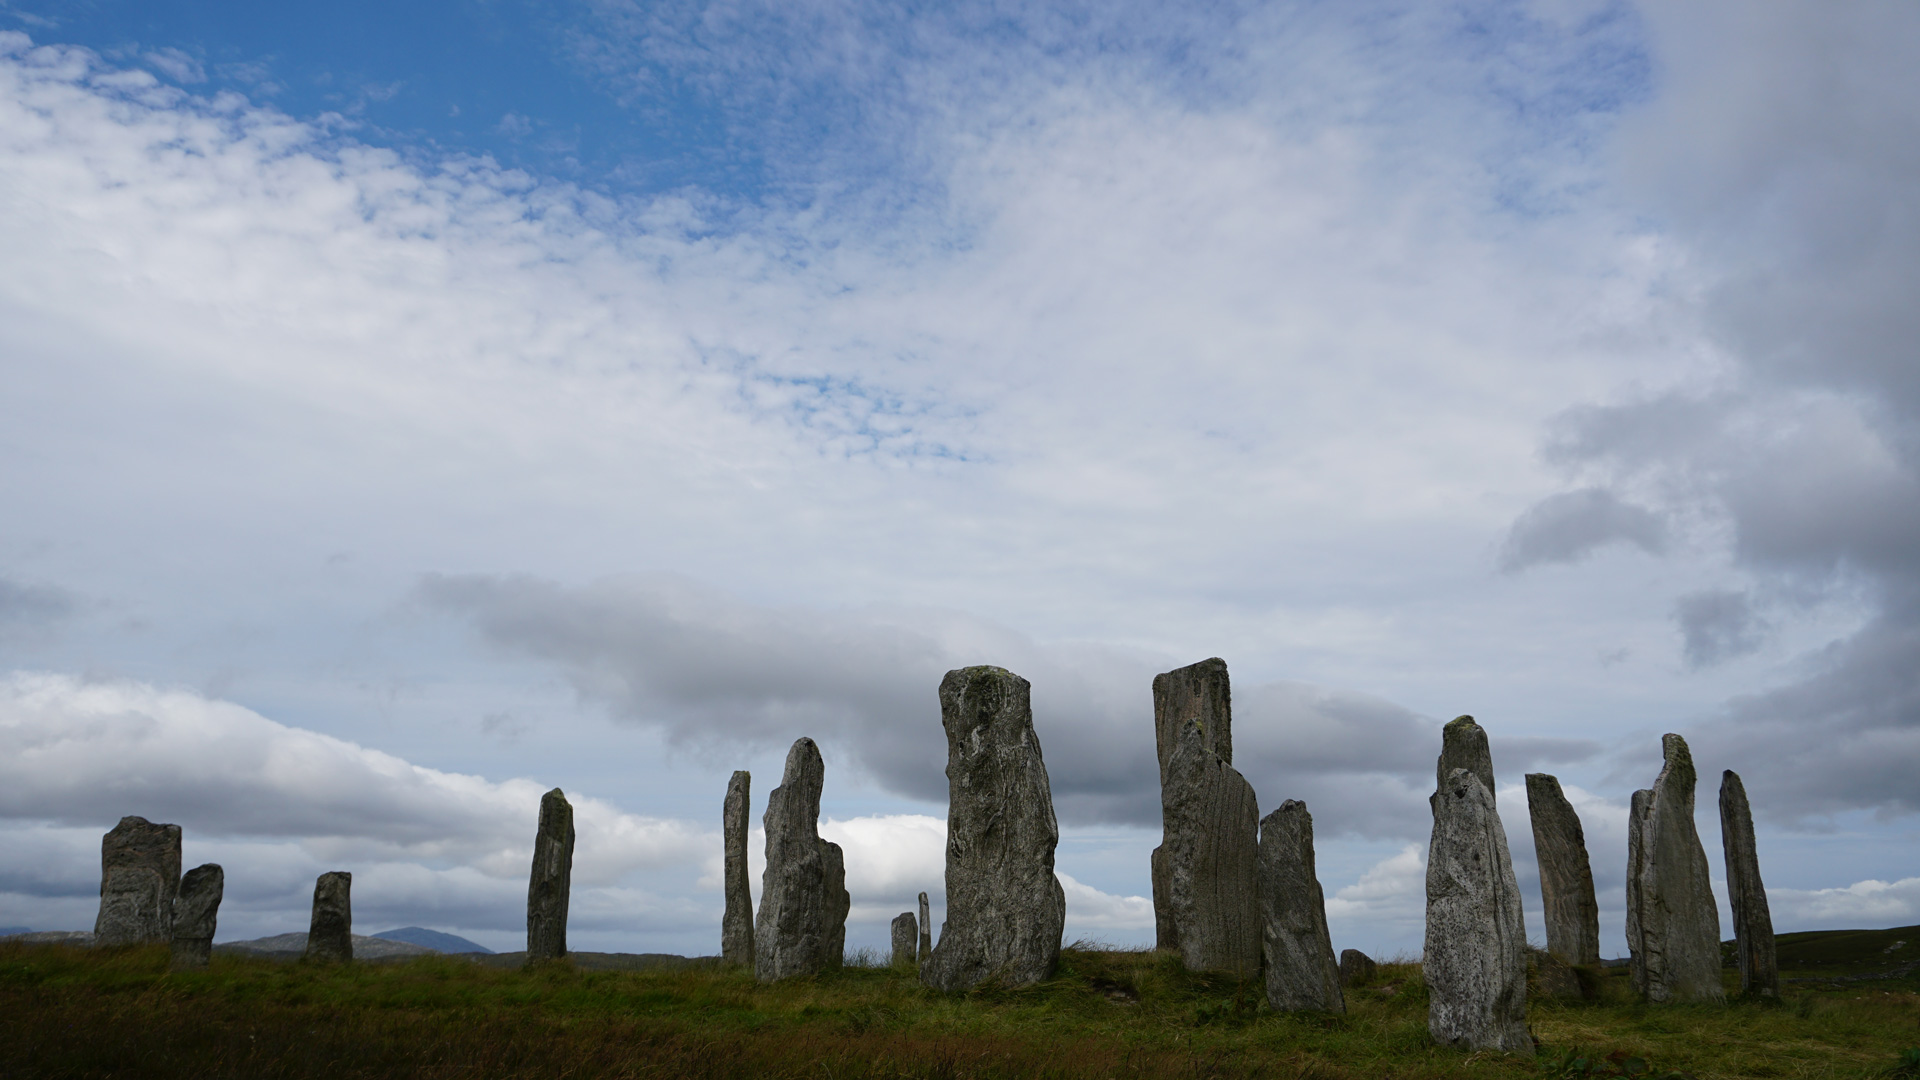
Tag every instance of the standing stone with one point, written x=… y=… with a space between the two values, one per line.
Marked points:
x=1195 y=692
x=1301 y=972
x=550 y=882
x=926 y=930
x=330 y=935
x=1463 y=745
x=736 y=926
x=1212 y=858
x=906 y=940
x=139 y=879
x=1476 y=951
x=801 y=928
x=1673 y=926
x=1356 y=967
x=195 y=913
x=1005 y=907
x=1566 y=877
x=1752 y=922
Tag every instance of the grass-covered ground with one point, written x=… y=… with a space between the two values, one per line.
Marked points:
x=75 y=1012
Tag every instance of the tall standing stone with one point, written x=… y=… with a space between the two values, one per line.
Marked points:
x=1212 y=858
x=906 y=940
x=1673 y=926
x=330 y=935
x=139 y=879
x=1196 y=692
x=1302 y=974
x=926 y=930
x=801 y=928
x=196 y=912
x=736 y=926
x=1463 y=745
x=1475 y=959
x=1005 y=907
x=1752 y=922
x=550 y=883
x=1566 y=876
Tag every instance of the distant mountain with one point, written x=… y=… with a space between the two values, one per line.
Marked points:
x=434 y=939
x=290 y=947
x=9 y=931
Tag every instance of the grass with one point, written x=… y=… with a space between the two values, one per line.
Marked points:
x=84 y=1013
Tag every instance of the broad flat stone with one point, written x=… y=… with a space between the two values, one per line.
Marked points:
x=1566 y=876
x=1356 y=967
x=1475 y=959
x=1212 y=855
x=736 y=926
x=1673 y=926
x=1005 y=907
x=1463 y=745
x=1196 y=692
x=196 y=913
x=801 y=928
x=550 y=883
x=926 y=931
x=139 y=879
x=1302 y=974
x=1746 y=895
x=906 y=940
x=330 y=935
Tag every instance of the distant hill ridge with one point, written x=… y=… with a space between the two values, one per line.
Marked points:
x=434 y=939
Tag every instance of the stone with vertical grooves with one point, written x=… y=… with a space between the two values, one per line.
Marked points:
x=1475 y=961
x=926 y=930
x=1005 y=908
x=1673 y=926
x=736 y=925
x=550 y=882
x=196 y=913
x=1566 y=876
x=1212 y=856
x=139 y=879
x=1302 y=975
x=1196 y=692
x=1746 y=895
x=906 y=940
x=330 y=935
x=801 y=927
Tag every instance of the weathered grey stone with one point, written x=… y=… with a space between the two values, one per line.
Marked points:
x=1746 y=895
x=1196 y=692
x=1356 y=967
x=330 y=935
x=1163 y=927
x=1212 y=856
x=550 y=883
x=1673 y=926
x=139 y=879
x=906 y=940
x=1566 y=876
x=1463 y=745
x=736 y=926
x=1548 y=976
x=1475 y=959
x=926 y=931
x=801 y=928
x=1301 y=972
x=1005 y=907
x=196 y=912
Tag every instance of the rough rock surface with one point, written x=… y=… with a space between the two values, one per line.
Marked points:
x=196 y=912
x=1195 y=692
x=550 y=882
x=926 y=930
x=1302 y=974
x=1356 y=967
x=330 y=936
x=837 y=903
x=1548 y=976
x=736 y=925
x=906 y=940
x=801 y=928
x=1212 y=858
x=1566 y=875
x=1673 y=926
x=1463 y=745
x=1005 y=907
x=139 y=879
x=1752 y=921
x=1476 y=948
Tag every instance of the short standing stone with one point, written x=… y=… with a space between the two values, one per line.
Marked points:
x=926 y=930
x=1752 y=921
x=801 y=927
x=1302 y=974
x=1196 y=692
x=1211 y=855
x=1005 y=907
x=906 y=940
x=1356 y=968
x=139 y=879
x=330 y=935
x=1566 y=877
x=1673 y=925
x=1548 y=976
x=196 y=912
x=736 y=926
x=1475 y=959
x=550 y=883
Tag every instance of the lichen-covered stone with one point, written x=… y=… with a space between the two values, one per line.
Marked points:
x=1746 y=895
x=1356 y=968
x=1302 y=974
x=926 y=931
x=1673 y=926
x=1475 y=959
x=550 y=883
x=1463 y=745
x=1566 y=876
x=801 y=928
x=1196 y=692
x=330 y=935
x=736 y=925
x=1212 y=855
x=1005 y=908
x=139 y=879
x=196 y=913
x=906 y=940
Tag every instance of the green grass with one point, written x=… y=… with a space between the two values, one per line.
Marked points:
x=73 y=1012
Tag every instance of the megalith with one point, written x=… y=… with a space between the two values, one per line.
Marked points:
x=906 y=940
x=139 y=879
x=1566 y=877
x=1475 y=959
x=1211 y=852
x=926 y=930
x=1195 y=692
x=1356 y=967
x=1463 y=745
x=1302 y=975
x=801 y=928
x=1673 y=926
x=736 y=925
x=550 y=883
x=1005 y=908
x=330 y=935
x=1752 y=922
x=196 y=911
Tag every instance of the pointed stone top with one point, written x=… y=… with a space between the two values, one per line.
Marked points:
x=1679 y=760
x=556 y=793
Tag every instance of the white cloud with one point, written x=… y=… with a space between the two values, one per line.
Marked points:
x=1863 y=903
x=1091 y=913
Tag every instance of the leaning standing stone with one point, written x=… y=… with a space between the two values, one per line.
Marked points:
x=1566 y=877
x=1673 y=926
x=1475 y=960
x=802 y=924
x=1005 y=907
x=736 y=926
x=1752 y=922
x=139 y=879
x=195 y=914
x=906 y=939
x=330 y=935
x=1212 y=855
x=1196 y=692
x=926 y=931
x=550 y=882
x=1301 y=972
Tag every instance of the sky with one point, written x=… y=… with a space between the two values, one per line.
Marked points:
x=406 y=409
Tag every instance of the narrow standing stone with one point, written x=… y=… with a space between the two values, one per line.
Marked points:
x=1752 y=922
x=1212 y=856
x=1566 y=876
x=330 y=935
x=1005 y=907
x=1463 y=745
x=906 y=940
x=139 y=879
x=1673 y=926
x=926 y=930
x=801 y=928
x=1302 y=974
x=1475 y=960
x=1356 y=967
x=736 y=926
x=550 y=883
x=195 y=914
x=1196 y=692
